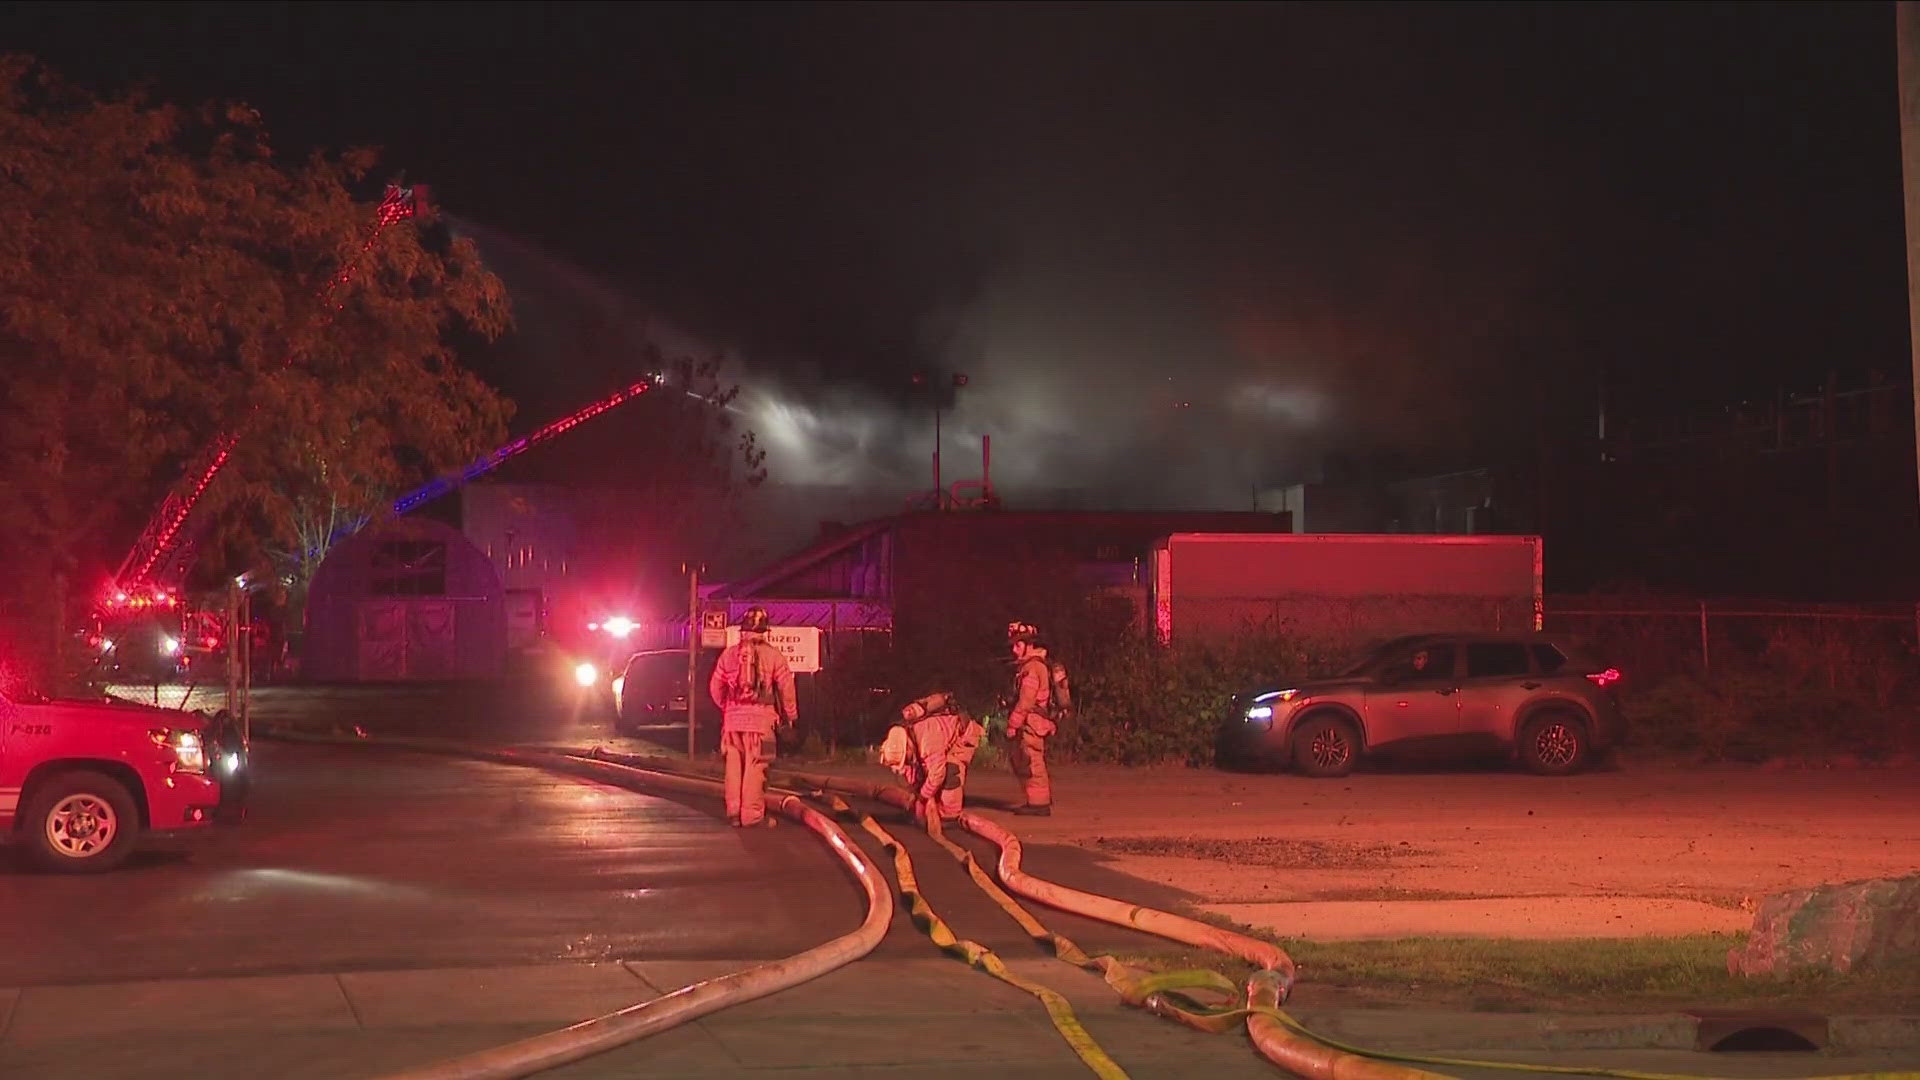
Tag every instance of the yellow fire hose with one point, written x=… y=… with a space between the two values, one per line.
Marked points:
x=1059 y=1010
x=1279 y=1037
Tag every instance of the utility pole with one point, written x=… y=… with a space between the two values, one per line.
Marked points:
x=1907 y=31
x=233 y=649
x=246 y=667
x=693 y=656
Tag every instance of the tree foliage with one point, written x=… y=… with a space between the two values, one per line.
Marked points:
x=164 y=279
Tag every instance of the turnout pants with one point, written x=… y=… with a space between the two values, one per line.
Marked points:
x=953 y=789
x=747 y=755
x=1030 y=765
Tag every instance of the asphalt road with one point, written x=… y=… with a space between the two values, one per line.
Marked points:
x=366 y=859
x=399 y=864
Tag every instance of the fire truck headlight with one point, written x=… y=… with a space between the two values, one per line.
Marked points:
x=619 y=626
x=169 y=646
x=586 y=674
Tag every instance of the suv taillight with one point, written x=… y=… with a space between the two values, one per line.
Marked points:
x=1604 y=679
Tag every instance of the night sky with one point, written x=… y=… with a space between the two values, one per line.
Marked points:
x=1176 y=247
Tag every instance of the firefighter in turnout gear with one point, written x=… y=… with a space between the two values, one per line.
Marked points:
x=1041 y=699
x=753 y=687
x=930 y=750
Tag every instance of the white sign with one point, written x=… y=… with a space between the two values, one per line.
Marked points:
x=799 y=644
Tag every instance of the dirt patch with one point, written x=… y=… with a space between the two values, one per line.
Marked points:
x=1267 y=851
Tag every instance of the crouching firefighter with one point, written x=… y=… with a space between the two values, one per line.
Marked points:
x=930 y=750
x=1041 y=699
x=753 y=687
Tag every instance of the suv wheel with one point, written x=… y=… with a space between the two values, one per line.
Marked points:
x=1325 y=746
x=1554 y=744
x=81 y=822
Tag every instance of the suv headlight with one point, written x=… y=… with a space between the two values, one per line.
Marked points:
x=189 y=754
x=1262 y=707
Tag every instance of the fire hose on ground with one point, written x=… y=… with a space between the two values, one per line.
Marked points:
x=603 y=1033
x=1277 y=1036
x=978 y=955
x=1287 y=1046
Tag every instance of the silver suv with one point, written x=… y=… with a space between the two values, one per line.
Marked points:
x=1531 y=696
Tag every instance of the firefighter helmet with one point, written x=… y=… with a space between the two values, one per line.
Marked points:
x=755 y=621
x=1019 y=631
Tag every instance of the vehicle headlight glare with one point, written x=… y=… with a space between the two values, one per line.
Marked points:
x=189 y=755
x=1260 y=712
x=586 y=674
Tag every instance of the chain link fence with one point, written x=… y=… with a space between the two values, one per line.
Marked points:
x=1864 y=649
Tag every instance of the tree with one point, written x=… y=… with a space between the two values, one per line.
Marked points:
x=161 y=280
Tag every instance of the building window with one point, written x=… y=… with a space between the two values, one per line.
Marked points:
x=410 y=568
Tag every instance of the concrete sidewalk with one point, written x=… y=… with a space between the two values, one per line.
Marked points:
x=1550 y=918
x=929 y=1018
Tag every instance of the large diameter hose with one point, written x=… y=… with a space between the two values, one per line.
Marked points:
x=1265 y=990
x=1261 y=954
x=603 y=1033
x=590 y=1037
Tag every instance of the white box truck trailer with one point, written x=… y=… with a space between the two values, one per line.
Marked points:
x=1346 y=587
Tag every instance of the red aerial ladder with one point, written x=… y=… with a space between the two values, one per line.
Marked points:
x=145 y=588
x=144 y=591
x=164 y=550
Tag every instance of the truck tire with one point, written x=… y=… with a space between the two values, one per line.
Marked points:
x=1554 y=743
x=81 y=822
x=1325 y=746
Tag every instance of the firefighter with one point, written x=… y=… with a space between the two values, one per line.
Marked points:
x=753 y=687
x=1041 y=697
x=930 y=750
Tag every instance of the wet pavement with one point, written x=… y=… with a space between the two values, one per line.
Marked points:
x=381 y=909
x=355 y=858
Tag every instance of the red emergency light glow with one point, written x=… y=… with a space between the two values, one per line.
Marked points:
x=1604 y=679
